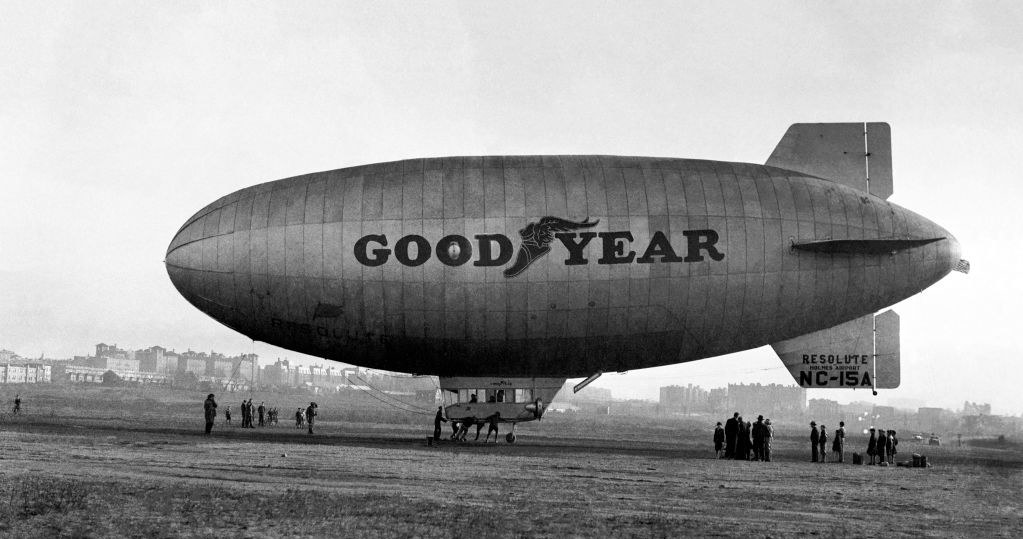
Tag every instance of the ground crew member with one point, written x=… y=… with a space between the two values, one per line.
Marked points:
x=719 y=441
x=227 y=414
x=494 y=419
x=210 y=409
x=815 y=438
x=310 y=413
x=768 y=434
x=298 y=418
x=437 y=421
x=731 y=431
x=17 y=404
x=839 y=444
x=824 y=443
x=262 y=413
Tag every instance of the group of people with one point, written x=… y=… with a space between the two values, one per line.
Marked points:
x=460 y=427
x=266 y=416
x=744 y=440
x=819 y=443
x=883 y=446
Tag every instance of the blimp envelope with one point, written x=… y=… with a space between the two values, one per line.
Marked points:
x=861 y=353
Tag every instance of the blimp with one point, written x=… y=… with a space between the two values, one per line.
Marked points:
x=506 y=275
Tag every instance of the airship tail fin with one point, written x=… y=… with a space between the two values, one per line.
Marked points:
x=862 y=353
x=858 y=155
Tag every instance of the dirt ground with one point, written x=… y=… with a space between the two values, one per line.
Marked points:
x=73 y=470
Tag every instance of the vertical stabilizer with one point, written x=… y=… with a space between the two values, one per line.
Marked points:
x=862 y=353
x=855 y=154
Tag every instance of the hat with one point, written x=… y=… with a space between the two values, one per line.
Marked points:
x=719 y=423
x=760 y=418
x=813 y=423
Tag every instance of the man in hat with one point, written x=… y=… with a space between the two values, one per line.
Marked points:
x=719 y=441
x=768 y=434
x=758 y=438
x=815 y=438
x=210 y=409
x=310 y=413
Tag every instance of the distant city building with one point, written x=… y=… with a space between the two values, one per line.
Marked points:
x=688 y=399
x=825 y=410
x=154 y=359
x=25 y=373
x=973 y=408
x=768 y=400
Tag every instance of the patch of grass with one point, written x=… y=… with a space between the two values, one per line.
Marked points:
x=28 y=496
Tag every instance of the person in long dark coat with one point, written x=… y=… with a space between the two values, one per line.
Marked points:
x=768 y=434
x=823 y=442
x=838 y=446
x=872 y=445
x=742 y=441
x=210 y=410
x=731 y=431
x=815 y=438
x=882 y=446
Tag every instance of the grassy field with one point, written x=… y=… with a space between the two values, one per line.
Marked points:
x=106 y=462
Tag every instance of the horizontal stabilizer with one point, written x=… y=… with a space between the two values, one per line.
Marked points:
x=861 y=353
x=858 y=155
x=869 y=247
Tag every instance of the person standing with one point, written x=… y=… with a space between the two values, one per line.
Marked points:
x=298 y=418
x=839 y=444
x=227 y=415
x=210 y=409
x=882 y=447
x=892 y=442
x=719 y=441
x=17 y=404
x=824 y=443
x=437 y=419
x=252 y=413
x=815 y=438
x=768 y=434
x=872 y=445
x=731 y=431
x=310 y=413
x=742 y=441
x=758 y=438
x=493 y=420
x=262 y=414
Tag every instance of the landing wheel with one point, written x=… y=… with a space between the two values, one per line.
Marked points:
x=510 y=437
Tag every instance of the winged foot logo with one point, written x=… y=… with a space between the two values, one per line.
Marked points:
x=536 y=238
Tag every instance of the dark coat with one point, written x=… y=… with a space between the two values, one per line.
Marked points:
x=815 y=435
x=210 y=408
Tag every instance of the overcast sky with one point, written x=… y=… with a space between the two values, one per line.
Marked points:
x=119 y=120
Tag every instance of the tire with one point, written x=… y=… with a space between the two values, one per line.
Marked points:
x=510 y=437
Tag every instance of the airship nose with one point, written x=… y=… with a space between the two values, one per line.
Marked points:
x=184 y=258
